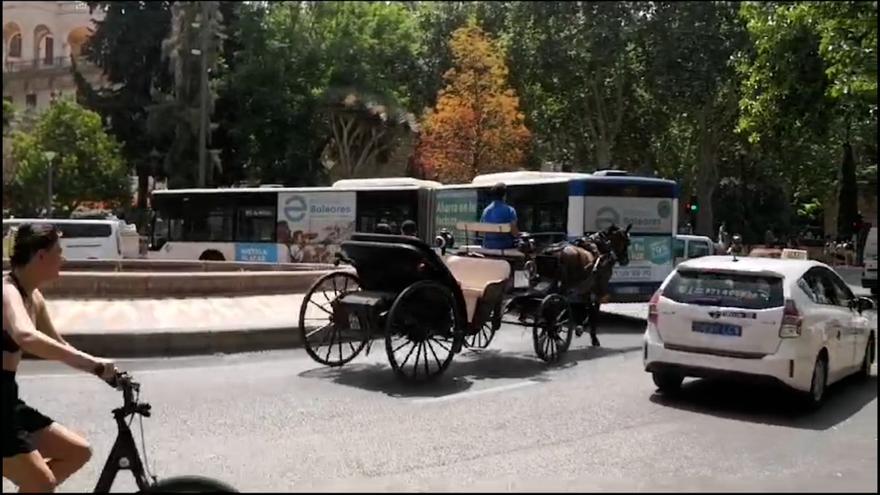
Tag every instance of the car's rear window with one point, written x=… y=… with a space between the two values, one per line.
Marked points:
x=725 y=289
x=77 y=230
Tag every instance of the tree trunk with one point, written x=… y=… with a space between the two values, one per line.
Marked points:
x=603 y=154
x=848 y=200
x=143 y=184
x=707 y=175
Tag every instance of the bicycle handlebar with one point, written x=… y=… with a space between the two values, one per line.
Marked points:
x=123 y=381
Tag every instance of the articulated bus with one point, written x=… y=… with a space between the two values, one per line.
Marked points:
x=561 y=205
x=278 y=224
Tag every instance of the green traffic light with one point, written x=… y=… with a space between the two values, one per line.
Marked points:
x=694 y=208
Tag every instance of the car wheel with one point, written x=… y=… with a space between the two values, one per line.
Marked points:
x=667 y=382
x=867 y=359
x=818 y=384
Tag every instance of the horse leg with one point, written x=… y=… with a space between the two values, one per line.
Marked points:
x=594 y=314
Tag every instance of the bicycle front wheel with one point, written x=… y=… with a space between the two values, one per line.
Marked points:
x=190 y=484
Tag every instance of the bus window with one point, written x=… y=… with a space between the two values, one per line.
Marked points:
x=255 y=224
x=392 y=207
x=80 y=230
x=215 y=226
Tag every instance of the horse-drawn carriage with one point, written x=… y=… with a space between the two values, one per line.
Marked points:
x=430 y=305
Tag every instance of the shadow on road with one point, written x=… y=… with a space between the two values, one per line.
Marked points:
x=618 y=323
x=771 y=405
x=468 y=368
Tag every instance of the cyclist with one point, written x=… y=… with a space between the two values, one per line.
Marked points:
x=499 y=212
x=38 y=453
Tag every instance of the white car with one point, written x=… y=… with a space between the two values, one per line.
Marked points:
x=780 y=320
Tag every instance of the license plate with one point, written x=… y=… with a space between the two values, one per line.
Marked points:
x=628 y=290
x=520 y=279
x=723 y=329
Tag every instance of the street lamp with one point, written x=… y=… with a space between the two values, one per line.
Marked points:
x=50 y=157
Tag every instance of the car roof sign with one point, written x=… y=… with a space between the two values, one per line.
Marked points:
x=794 y=254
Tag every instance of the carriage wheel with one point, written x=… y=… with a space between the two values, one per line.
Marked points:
x=482 y=338
x=420 y=332
x=327 y=341
x=553 y=328
x=484 y=335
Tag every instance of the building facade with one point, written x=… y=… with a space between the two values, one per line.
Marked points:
x=40 y=42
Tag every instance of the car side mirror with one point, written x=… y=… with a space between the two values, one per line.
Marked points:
x=864 y=304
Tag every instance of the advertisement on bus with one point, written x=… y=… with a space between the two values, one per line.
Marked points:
x=313 y=224
x=455 y=206
x=651 y=236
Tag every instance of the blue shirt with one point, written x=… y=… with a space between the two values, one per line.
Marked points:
x=498 y=212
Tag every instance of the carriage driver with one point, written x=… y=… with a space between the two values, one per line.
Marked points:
x=499 y=212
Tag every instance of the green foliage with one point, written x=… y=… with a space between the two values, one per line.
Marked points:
x=809 y=96
x=8 y=115
x=86 y=163
x=126 y=45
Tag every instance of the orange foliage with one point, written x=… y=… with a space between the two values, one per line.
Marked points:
x=476 y=127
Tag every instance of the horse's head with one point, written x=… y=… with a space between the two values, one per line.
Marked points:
x=618 y=240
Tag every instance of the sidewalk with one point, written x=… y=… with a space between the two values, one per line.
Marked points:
x=168 y=327
x=174 y=327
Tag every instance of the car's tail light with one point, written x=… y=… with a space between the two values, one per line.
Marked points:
x=791 y=321
x=652 y=308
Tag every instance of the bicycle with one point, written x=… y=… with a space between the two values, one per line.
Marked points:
x=125 y=456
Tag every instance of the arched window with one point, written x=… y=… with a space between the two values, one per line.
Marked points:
x=15 y=46
x=48 y=49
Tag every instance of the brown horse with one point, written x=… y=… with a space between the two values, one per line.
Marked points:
x=585 y=268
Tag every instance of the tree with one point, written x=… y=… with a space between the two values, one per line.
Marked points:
x=297 y=66
x=476 y=126
x=363 y=129
x=86 y=163
x=192 y=51
x=810 y=89
x=8 y=115
x=575 y=68
x=369 y=52
x=126 y=45
x=688 y=50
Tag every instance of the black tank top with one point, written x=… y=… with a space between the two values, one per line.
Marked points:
x=9 y=344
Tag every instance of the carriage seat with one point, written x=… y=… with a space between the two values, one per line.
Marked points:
x=479 y=278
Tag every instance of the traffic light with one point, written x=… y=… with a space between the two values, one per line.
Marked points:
x=693 y=205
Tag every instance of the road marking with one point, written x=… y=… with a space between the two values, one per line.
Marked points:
x=465 y=395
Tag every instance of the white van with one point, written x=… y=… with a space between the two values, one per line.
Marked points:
x=869 y=274
x=686 y=247
x=81 y=239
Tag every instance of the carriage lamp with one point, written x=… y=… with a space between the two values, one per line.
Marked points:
x=531 y=269
x=444 y=240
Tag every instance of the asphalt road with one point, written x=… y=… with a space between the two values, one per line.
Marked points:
x=499 y=420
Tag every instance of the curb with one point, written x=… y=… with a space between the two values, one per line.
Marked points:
x=140 y=344
x=171 y=343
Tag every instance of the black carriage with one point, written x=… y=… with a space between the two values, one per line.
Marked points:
x=428 y=306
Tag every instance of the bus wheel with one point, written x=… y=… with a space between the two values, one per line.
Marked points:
x=212 y=255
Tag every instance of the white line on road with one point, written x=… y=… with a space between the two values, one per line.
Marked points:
x=465 y=395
